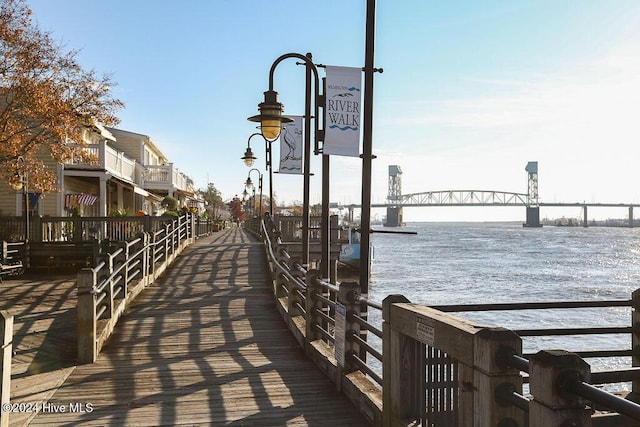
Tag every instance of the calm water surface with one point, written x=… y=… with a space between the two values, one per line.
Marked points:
x=458 y=263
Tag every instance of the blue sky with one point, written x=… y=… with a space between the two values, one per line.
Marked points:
x=471 y=90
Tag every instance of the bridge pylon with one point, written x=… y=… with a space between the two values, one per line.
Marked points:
x=533 y=201
x=394 y=210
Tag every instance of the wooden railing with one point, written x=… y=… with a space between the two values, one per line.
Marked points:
x=56 y=241
x=427 y=366
x=104 y=291
x=6 y=349
x=124 y=271
x=165 y=177
x=12 y=258
x=109 y=159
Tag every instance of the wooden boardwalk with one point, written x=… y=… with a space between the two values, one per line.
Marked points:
x=202 y=346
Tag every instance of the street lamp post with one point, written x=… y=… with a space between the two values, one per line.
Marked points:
x=245 y=202
x=249 y=184
x=21 y=182
x=271 y=120
x=249 y=158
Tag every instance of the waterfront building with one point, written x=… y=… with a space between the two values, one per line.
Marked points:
x=131 y=175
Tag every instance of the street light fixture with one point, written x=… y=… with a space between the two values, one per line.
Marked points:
x=21 y=182
x=270 y=117
x=249 y=185
x=271 y=120
x=249 y=159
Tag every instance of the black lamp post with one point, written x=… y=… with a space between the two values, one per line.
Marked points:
x=21 y=182
x=249 y=158
x=271 y=120
x=245 y=202
x=249 y=185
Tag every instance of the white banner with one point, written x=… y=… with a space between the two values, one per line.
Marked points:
x=342 y=111
x=291 y=148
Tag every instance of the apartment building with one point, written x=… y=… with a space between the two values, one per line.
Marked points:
x=131 y=175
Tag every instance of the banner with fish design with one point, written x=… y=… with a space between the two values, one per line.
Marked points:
x=342 y=111
x=291 y=148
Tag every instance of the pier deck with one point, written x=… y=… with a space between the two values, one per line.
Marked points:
x=201 y=346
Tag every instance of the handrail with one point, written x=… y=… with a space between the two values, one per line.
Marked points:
x=105 y=290
x=577 y=386
x=532 y=305
x=310 y=305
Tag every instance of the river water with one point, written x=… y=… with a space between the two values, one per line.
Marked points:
x=461 y=263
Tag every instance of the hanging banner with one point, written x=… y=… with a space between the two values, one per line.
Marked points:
x=291 y=148
x=342 y=111
x=33 y=199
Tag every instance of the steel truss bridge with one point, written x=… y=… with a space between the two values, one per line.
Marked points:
x=460 y=198
x=530 y=200
x=481 y=198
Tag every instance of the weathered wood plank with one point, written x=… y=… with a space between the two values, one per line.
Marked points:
x=204 y=345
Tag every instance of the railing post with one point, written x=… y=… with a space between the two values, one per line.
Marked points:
x=348 y=295
x=551 y=407
x=294 y=295
x=120 y=261
x=333 y=269
x=144 y=258
x=167 y=243
x=87 y=316
x=146 y=224
x=36 y=228
x=152 y=255
x=193 y=230
x=490 y=374
x=77 y=229
x=635 y=339
x=6 y=340
x=313 y=304
x=179 y=233
x=399 y=368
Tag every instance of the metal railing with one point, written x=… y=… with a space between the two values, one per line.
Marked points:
x=444 y=370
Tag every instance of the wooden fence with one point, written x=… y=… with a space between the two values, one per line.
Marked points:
x=76 y=242
x=89 y=229
x=439 y=369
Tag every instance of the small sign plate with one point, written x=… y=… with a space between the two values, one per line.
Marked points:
x=425 y=332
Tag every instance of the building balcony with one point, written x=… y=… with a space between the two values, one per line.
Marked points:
x=109 y=160
x=166 y=178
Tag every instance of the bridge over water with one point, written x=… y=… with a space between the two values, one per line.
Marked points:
x=452 y=198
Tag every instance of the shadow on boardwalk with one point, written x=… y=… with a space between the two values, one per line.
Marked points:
x=44 y=339
x=202 y=346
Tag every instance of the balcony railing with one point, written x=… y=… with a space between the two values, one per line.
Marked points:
x=165 y=177
x=154 y=177
x=110 y=160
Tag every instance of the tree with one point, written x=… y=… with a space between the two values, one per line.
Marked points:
x=47 y=101
x=266 y=204
x=213 y=199
x=237 y=212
